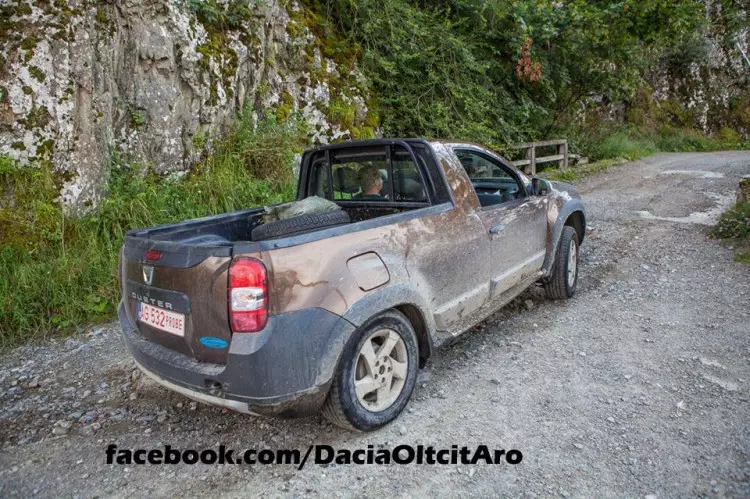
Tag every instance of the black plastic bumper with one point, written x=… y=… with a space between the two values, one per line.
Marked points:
x=284 y=370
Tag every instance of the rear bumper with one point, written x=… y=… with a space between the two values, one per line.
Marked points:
x=284 y=370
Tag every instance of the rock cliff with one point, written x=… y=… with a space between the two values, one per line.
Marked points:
x=157 y=79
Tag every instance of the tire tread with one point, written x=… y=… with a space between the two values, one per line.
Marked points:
x=333 y=408
x=302 y=223
x=556 y=287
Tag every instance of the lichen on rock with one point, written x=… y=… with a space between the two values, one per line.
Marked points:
x=157 y=80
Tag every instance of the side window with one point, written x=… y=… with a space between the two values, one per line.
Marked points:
x=359 y=177
x=320 y=178
x=407 y=182
x=492 y=182
x=363 y=175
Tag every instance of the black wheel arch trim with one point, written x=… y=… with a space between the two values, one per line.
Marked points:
x=397 y=297
x=569 y=208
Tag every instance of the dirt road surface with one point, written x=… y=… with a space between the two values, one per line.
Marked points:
x=638 y=387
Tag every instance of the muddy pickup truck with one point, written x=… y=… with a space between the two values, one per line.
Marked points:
x=336 y=311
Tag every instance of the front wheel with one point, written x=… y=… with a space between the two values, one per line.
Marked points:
x=376 y=374
x=564 y=279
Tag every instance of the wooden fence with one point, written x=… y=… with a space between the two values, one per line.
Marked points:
x=532 y=160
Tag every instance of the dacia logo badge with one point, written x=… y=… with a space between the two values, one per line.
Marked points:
x=148 y=274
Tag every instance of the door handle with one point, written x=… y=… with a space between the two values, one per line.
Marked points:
x=497 y=229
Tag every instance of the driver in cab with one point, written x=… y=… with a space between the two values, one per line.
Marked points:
x=371 y=183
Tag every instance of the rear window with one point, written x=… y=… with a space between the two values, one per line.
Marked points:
x=366 y=174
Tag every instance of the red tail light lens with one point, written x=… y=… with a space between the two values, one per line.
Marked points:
x=153 y=255
x=248 y=295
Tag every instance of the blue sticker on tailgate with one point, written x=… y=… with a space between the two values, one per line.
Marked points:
x=212 y=342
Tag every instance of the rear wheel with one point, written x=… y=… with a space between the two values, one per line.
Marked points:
x=376 y=374
x=564 y=279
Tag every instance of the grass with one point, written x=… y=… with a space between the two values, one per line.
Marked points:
x=609 y=147
x=734 y=225
x=59 y=273
x=575 y=173
x=630 y=142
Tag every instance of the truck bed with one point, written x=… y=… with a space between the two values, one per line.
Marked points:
x=221 y=231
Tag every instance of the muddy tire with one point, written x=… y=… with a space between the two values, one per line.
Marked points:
x=302 y=223
x=376 y=374
x=562 y=283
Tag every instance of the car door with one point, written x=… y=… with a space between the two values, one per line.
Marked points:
x=515 y=220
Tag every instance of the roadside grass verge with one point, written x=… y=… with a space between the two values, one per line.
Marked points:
x=734 y=225
x=59 y=272
x=612 y=146
x=577 y=172
x=631 y=142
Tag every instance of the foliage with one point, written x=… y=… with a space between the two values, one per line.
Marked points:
x=734 y=223
x=220 y=15
x=497 y=71
x=609 y=146
x=577 y=172
x=491 y=71
x=633 y=142
x=59 y=272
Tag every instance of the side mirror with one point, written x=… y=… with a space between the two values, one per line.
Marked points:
x=540 y=186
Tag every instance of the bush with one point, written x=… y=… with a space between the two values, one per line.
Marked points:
x=734 y=223
x=623 y=145
x=634 y=142
x=498 y=72
x=59 y=272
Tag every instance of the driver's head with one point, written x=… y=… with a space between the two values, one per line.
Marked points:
x=370 y=180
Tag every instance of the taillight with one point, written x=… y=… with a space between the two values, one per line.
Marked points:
x=153 y=255
x=248 y=295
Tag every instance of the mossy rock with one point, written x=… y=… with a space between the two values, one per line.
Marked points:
x=743 y=191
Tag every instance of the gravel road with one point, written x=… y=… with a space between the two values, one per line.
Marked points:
x=638 y=387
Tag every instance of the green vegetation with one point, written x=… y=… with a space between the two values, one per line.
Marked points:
x=634 y=142
x=499 y=72
x=60 y=272
x=575 y=173
x=37 y=73
x=138 y=118
x=218 y=18
x=734 y=223
x=492 y=71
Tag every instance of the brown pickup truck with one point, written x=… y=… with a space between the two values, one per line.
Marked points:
x=336 y=311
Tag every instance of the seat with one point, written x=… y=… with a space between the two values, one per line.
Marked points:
x=345 y=180
x=407 y=187
x=489 y=199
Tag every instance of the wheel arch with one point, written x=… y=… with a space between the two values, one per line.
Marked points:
x=415 y=317
x=572 y=214
x=405 y=300
x=577 y=220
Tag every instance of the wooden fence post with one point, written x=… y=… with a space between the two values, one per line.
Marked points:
x=531 y=155
x=562 y=150
x=529 y=164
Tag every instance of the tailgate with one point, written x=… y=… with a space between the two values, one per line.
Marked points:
x=176 y=295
